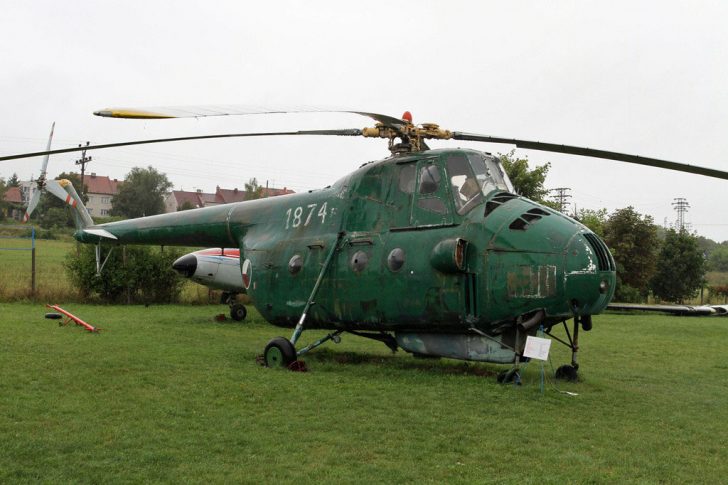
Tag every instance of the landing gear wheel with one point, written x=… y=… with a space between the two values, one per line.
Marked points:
x=508 y=376
x=567 y=373
x=238 y=312
x=279 y=353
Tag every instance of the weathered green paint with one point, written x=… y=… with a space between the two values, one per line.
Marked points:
x=521 y=257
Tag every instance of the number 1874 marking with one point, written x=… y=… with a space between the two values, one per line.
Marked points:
x=294 y=217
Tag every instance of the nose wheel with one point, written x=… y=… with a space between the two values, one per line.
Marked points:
x=570 y=372
x=238 y=312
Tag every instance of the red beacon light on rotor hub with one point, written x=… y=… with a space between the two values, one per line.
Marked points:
x=407 y=116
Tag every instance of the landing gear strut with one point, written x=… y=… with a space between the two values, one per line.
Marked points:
x=570 y=372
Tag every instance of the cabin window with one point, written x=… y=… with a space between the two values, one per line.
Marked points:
x=419 y=195
x=465 y=187
x=295 y=264
x=359 y=261
x=395 y=260
x=429 y=179
x=407 y=178
x=473 y=175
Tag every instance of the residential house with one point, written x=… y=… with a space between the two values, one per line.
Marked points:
x=184 y=199
x=14 y=204
x=178 y=198
x=227 y=196
x=100 y=190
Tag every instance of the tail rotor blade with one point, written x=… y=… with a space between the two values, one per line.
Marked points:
x=55 y=188
x=34 y=198
x=44 y=166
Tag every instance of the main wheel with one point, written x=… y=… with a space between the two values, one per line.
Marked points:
x=238 y=312
x=509 y=376
x=279 y=353
x=567 y=373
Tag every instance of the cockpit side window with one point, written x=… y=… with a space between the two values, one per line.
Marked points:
x=464 y=183
x=489 y=172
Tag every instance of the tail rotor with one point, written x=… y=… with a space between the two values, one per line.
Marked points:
x=39 y=184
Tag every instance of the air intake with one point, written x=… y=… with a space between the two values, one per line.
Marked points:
x=606 y=263
x=497 y=201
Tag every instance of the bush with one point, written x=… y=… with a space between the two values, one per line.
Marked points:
x=628 y=294
x=146 y=277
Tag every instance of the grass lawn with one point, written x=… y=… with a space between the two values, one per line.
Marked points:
x=15 y=272
x=165 y=394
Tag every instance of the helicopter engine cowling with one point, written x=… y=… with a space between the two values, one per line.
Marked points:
x=539 y=259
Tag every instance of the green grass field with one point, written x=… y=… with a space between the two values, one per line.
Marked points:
x=166 y=394
x=15 y=272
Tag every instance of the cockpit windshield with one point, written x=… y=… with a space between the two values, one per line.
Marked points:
x=474 y=175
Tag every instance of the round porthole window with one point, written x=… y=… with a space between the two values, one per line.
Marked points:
x=395 y=260
x=359 y=261
x=295 y=264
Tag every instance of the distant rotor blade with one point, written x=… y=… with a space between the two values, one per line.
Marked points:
x=204 y=111
x=44 y=166
x=590 y=152
x=346 y=132
x=32 y=203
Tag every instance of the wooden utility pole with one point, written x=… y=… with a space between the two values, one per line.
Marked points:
x=83 y=161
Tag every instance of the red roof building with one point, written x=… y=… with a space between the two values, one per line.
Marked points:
x=178 y=198
x=188 y=200
x=14 y=199
x=100 y=190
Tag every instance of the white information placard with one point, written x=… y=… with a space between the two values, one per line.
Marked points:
x=537 y=348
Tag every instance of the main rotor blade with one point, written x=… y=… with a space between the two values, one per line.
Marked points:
x=346 y=132
x=590 y=152
x=205 y=111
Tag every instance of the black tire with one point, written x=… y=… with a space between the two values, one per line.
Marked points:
x=53 y=316
x=586 y=322
x=509 y=376
x=279 y=353
x=238 y=312
x=567 y=373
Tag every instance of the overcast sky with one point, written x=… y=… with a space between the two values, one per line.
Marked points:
x=648 y=78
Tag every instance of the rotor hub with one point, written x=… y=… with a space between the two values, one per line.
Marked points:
x=411 y=137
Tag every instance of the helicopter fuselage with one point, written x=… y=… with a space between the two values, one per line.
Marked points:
x=432 y=246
